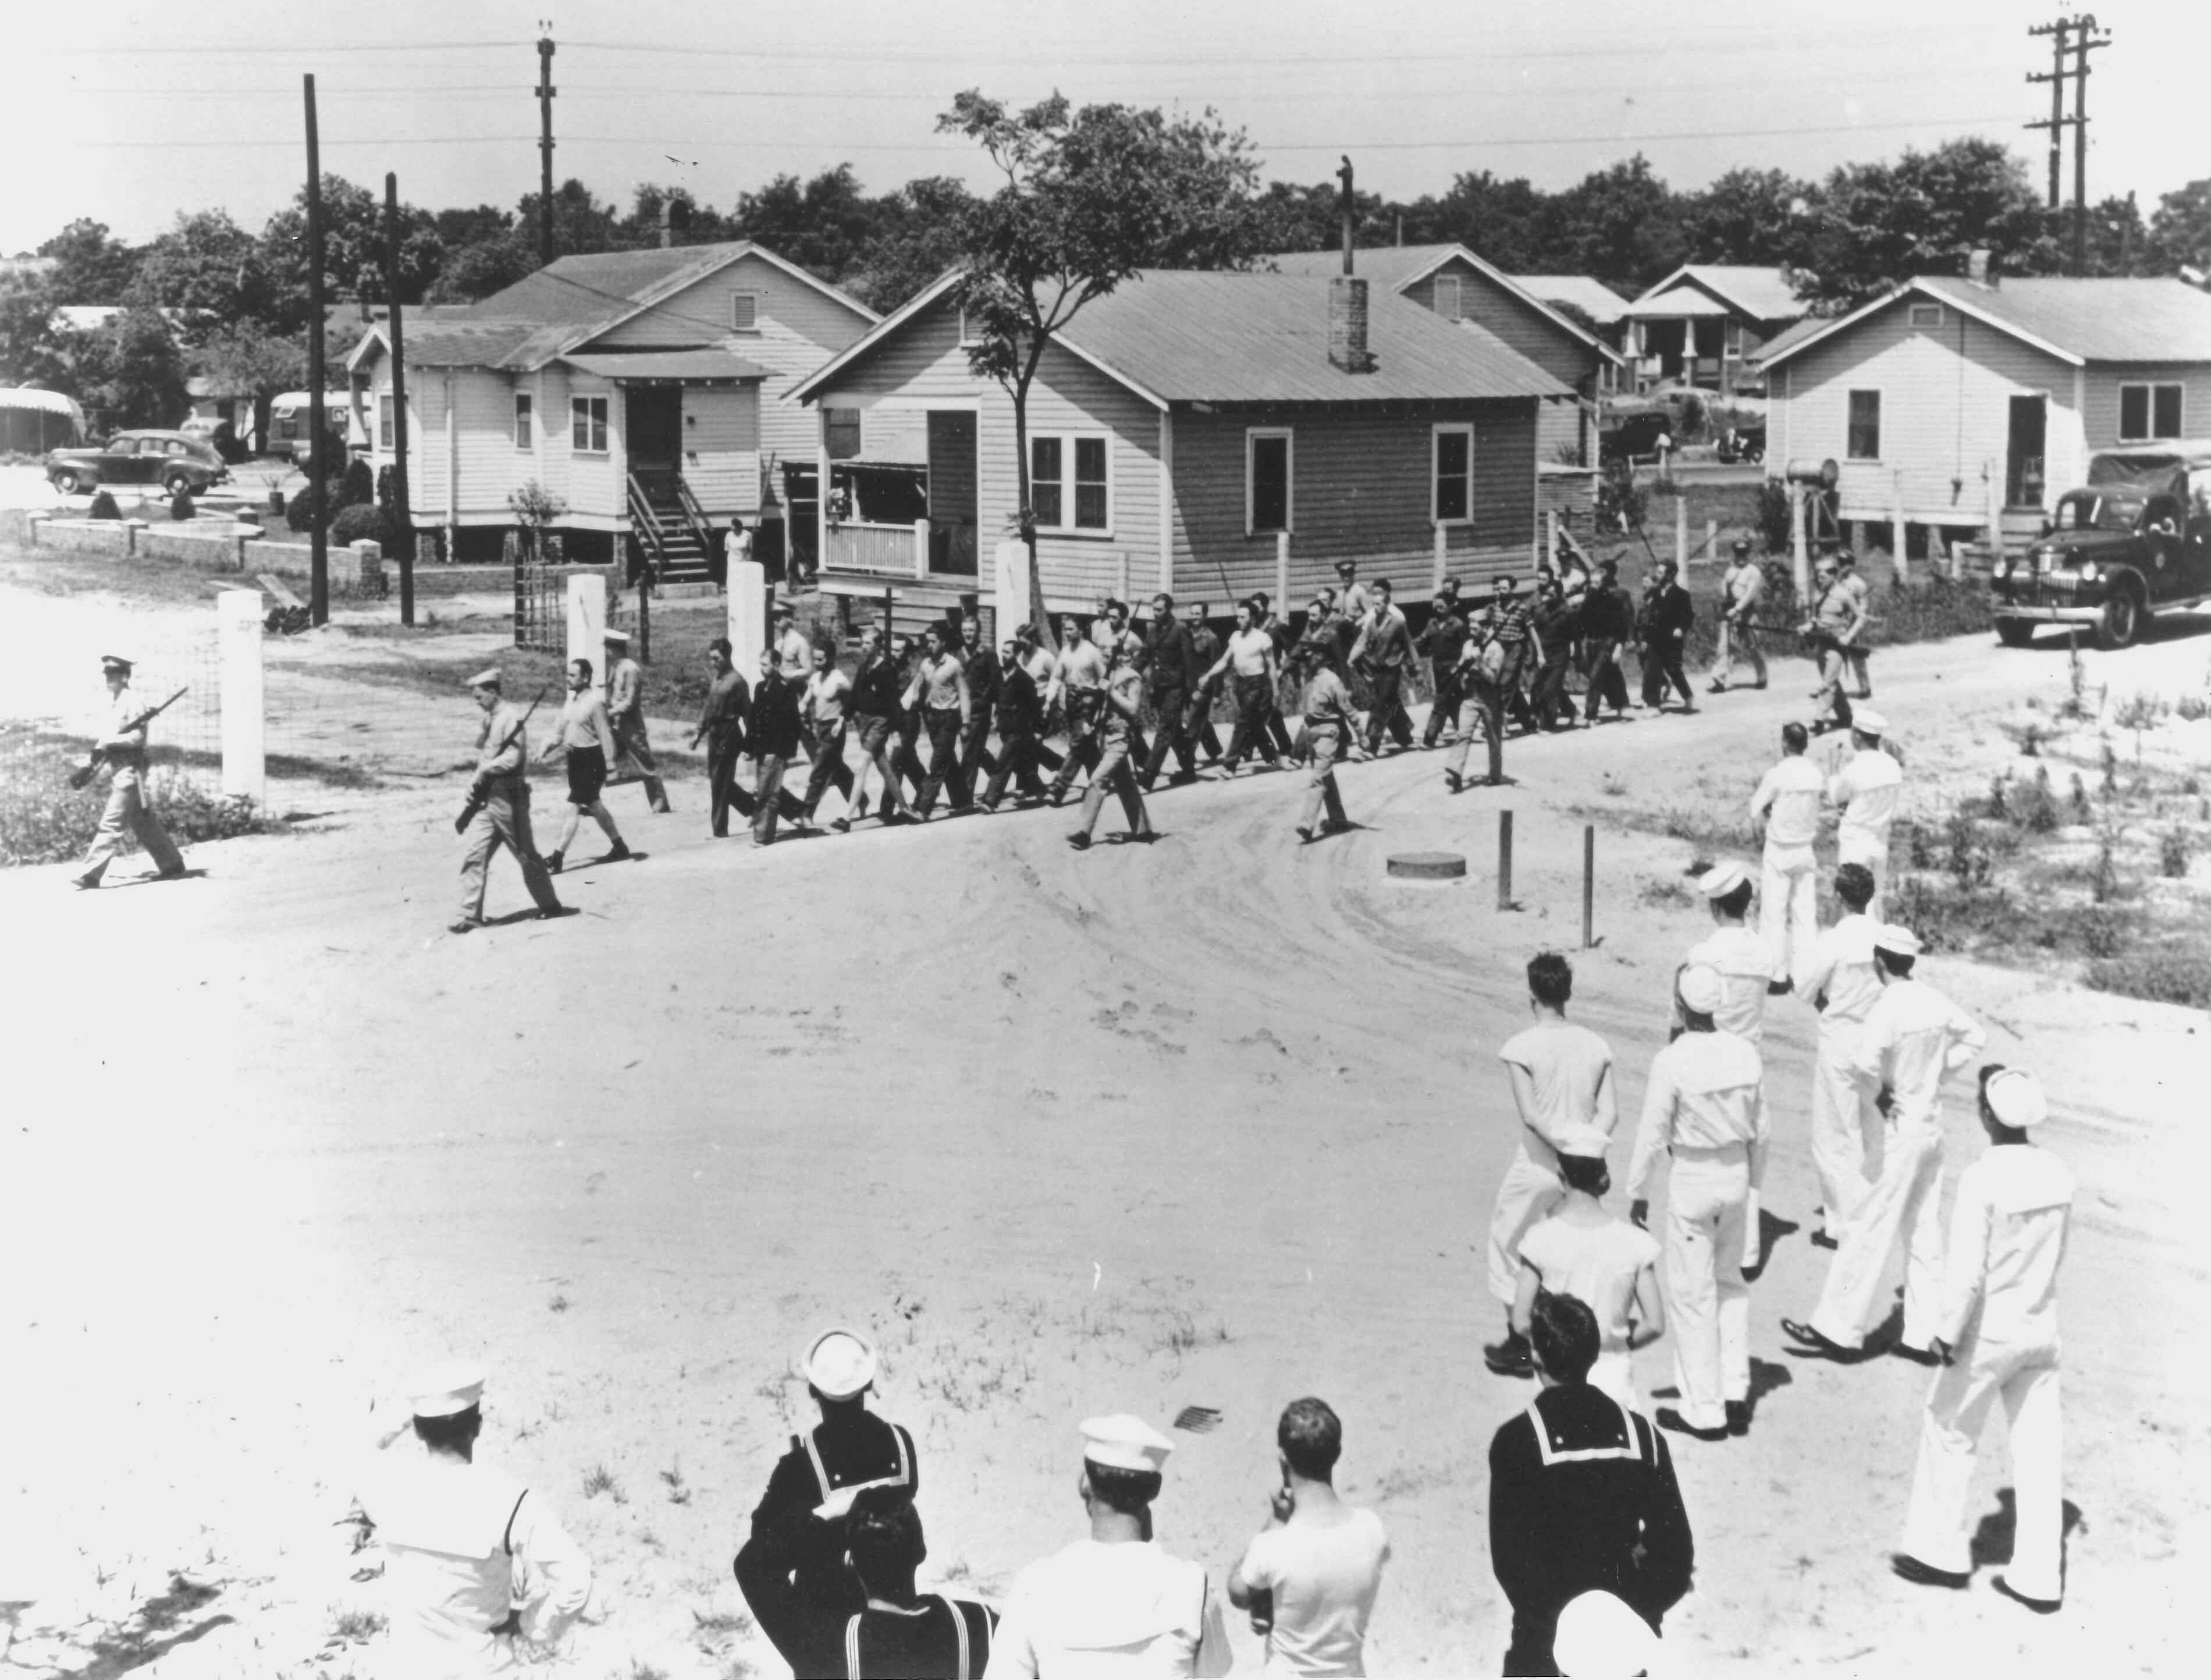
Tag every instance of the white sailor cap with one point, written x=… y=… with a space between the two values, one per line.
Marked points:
x=1582 y=1143
x=1900 y=941
x=1124 y=1443
x=615 y=638
x=2015 y=1098
x=839 y=1363
x=1702 y=989
x=489 y=679
x=446 y=1390
x=1598 y=1634
x=1868 y=721
x=1722 y=879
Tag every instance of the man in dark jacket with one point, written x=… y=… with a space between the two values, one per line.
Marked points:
x=774 y=735
x=1441 y=641
x=1607 y=626
x=1204 y=654
x=1018 y=710
x=793 y=1570
x=983 y=675
x=1663 y=625
x=721 y=726
x=1582 y=1496
x=877 y=687
x=1555 y=635
x=1384 y=651
x=1169 y=663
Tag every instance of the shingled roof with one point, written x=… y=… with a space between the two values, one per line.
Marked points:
x=2077 y=321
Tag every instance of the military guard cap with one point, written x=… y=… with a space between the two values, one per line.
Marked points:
x=1124 y=1443
x=487 y=679
x=115 y=661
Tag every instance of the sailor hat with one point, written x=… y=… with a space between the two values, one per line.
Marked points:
x=1598 y=1634
x=1722 y=879
x=1702 y=989
x=489 y=679
x=1582 y=1143
x=1868 y=721
x=1899 y=941
x=839 y=1363
x=2015 y=1098
x=1123 y=1442
x=446 y=1390
x=615 y=638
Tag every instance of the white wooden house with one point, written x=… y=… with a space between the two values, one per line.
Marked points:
x=648 y=390
x=1703 y=324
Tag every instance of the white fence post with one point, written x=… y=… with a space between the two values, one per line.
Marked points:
x=1900 y=543
x=921 y=548
x=1681 y=533
x=748 y=597
x=1010 y=585
x=1799 y=549
x=586 y=628
x=243 y=694
x=1995 y=488
x=1281 y=572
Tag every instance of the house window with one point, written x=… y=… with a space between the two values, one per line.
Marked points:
x=840 y=432
x=968 y=337
x=1926 y=317
x=1269 y=477
x=1864 y=442
x=2149 y=411
x=587 y=424
x=744 y=311
x=383 y=421
x=1447 y=299
x=1452 y=502
x=1070 y=484
x=525 y=420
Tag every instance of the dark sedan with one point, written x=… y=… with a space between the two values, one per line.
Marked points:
x=174 y=460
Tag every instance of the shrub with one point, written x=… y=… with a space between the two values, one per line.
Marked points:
x=2143 y=712
x=103 y=506
x=180 y=505
x=1773 y=522
x=43 y=821
x=364 y=522
x=2079 y=798
x=357 y=485
x=2163 y=974
x=2191 y=707
x=2173 y=849
x=2034 y=807
x=299 y=515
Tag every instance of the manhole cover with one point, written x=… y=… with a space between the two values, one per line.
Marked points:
x=1428 y=865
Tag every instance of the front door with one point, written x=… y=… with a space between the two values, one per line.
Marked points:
x=656 y=428
x=2024 y=476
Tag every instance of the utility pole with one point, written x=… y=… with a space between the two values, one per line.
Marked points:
x=2056 y=78
x=402 y=519
x=319 y=546
x=2085 y=36
x=545 y=145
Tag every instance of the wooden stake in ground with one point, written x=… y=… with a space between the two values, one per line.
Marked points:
x=318 y=544
x=1589 y=885
x=1504 y=860
x=403 y=520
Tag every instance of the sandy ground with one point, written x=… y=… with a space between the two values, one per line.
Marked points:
x=1215 y=1122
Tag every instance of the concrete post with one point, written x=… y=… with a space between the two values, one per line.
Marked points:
x=1682 y=534
x=1995 y=488
x=747 y=599
x=1800 y=551
x=1551 y=539
x=35 y=522
x=1901 y=546
x=1010 y=585
x=1443 y=558
x=586 y=627
x=1712 y=540
x=131 y=529
x=920 y=549
x=243 y=694
x=1281 y=571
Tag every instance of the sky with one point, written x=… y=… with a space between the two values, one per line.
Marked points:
x=143 y=111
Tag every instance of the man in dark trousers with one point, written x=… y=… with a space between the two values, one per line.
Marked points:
x=1384 y=651
x=983 y=675
x=1277 y=627
x=793 y=1570
x=1204 y=652
x=1441 y=640
x=1607 y=626
x=722 y=727
x=877 y=684
x=1554 y=635
x=1582 y=1496
x=1170 y=666
x=1667 y=615
x=1020 y=717
x=939 y=688
x=774 y=736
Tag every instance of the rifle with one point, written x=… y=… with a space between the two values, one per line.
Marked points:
x=90 y=768
x=478 y=797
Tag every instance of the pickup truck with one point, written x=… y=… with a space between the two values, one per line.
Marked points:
x=2134 y=541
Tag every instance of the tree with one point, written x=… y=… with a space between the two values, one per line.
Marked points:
x=1499 y=220
x=689 y=222
x=2180 y=229
x=1622 y=225
x=246 y=359
x=1749 y=216
x=206 y=270
x=822 y=226
x=92 y=267
x=913 y=237
x=34 y=349
x=582 y=226
x=1091 y=197
x=131 y=371
x=478 y=269
x=353 y=251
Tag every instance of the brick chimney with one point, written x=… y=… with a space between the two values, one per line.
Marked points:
x=1981 y=270
x=1347 y=326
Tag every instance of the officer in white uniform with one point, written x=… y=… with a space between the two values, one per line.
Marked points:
x=1788 y=802
x=1114 y=1605
x=1749 y=966
x=1913 y=1039
x=1839 y=980
x=1704 y=1104
x=1997 y=1336
x=481 y=1575
x=1868 y=788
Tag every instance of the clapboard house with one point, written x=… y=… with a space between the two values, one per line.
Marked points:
x=1184 y=430
x=649 y=392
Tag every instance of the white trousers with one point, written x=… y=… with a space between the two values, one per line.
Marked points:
x=1707 y=1302
x=1904 y=1205
x=1528 y=1193
x=1614 y=1374
x=1957 y=1409
x=1846 y=1128
x=1856 y=846
x=1789 y=904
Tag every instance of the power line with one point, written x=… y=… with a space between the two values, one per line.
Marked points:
x=317 y=51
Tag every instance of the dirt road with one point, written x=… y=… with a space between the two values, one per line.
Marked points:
x=1215 y=1122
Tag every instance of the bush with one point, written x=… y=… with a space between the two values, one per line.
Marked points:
x=103 y=506
x=366 y=523
x=44 y=820
x=299 y=515
x=1773 y=522
x=357 y=485
x=180 y=505
x=2163 y=974
x=2173 y=849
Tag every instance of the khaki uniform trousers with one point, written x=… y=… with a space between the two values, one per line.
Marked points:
x=504 y=821
x=630 y=738
x=2025 y=1378
x=1527 y=1196
x=1707 y=1301
x=127 y=813
x=1327 y=744
x=1115 y=772
x=1481 y=707
x=1904 y=1205
x=1846 y=1128
x=1789 y=903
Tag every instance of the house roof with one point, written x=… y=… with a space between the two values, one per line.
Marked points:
x=2077 y=321
x=1762 y=293
x=1184 y=336
x=1584 y=292
x=1788 y=337
x=463 y=343
x=645 y=365
x=1399 y=267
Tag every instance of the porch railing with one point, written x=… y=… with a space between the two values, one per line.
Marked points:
x=646 y=524
x=887 y=549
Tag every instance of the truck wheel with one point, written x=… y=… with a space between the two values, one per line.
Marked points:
x=2121 y=620
x=2015 y=633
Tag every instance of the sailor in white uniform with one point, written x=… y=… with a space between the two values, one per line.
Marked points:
x=1114 y=1604
x=1868 y=788
x=1997 y=1335
x=481 y=1575
x=1839 y=980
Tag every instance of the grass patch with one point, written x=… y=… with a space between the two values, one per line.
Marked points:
x=600 y=1480
x=2167 y=974
x=356 y=1627
x=44 y=820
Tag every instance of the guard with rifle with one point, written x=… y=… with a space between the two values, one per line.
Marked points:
x=123 y=750
x=497 y=812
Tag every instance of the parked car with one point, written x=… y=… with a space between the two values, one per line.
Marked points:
x=2136 y=541
x=174 y=460
x=1742 y=443
x=1635 y=437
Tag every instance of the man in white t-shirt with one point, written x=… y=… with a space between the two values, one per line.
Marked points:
x=1868 y=788
x=1310 y=1577
x=1561 y=1077
x=1788 y=802
x=1604 y=1262
x=1840 y=981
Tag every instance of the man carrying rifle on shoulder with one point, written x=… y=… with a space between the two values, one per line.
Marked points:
x=497 y=812
x=123 y=749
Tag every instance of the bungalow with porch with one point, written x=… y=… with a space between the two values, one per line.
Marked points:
x=648 y=390
x=1703 y=324
x=1209 y=434
x=1972 y=402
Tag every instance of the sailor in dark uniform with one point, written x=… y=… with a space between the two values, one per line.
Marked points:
x=1582 y=1496
x=793 y=1570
